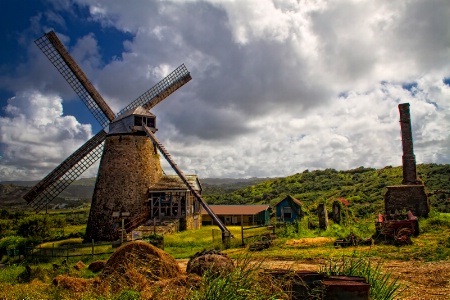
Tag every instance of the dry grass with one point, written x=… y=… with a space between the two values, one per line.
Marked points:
x=75 y=284
x=142 y=256
x=97 y=266
x=136 y=264
x=79 y=265
x=212 y=261
x=154 y=274
x=310 y=242
x=425 y=280
x=35 y=289
x=174 y=288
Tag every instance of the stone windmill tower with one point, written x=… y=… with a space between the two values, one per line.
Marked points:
x=128 y=150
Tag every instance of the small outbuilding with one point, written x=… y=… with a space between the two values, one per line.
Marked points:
x=245 y=215
x=169 y=199
x=289 y=210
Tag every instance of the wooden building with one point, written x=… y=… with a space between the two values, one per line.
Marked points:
x=289 y=210
x=169 y=200
x=246 y=215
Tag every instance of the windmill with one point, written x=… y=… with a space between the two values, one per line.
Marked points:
x=127 y=146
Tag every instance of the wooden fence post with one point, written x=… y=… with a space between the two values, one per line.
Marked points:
x=242 y=230
x=92 y=248
x=67 y=253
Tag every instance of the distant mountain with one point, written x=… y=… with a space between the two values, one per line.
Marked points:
x=20 y=183
x=11 y=196
x=11 y=192
x=75 y=195
x=31 y=183
x=363 y=187
x=225 y=181
x=218 y=186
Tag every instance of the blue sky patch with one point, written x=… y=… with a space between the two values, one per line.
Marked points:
x=409 y=86
x=447 y=81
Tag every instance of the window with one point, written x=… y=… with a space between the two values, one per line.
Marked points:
x=137 y=121
x=151 y=122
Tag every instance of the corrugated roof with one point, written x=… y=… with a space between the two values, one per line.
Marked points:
x=292 y=199
x=173 y=182
x=236 y=209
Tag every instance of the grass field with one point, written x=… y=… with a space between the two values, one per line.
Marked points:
x=293 y=244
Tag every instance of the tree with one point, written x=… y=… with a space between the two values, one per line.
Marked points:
x=35 y=226
x=5 y=227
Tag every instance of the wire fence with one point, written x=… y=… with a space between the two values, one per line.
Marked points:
x=56 y=250
x=70 y=250
x=257 y=233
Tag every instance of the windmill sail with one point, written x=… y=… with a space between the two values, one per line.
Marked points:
x=52 y=47
x=160 y=91
x=63 y=175
x=71 y=168
x=225 y=231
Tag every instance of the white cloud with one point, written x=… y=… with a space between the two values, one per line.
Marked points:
x=278 y=86
x=36 y=136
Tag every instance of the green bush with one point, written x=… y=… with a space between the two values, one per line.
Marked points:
x=12 y=242
x=6 y=227
x=287 y=230
x=36 y=226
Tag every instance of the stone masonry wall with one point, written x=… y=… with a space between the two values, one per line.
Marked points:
x=407 y=197
x=129 y=165
x=190 y=222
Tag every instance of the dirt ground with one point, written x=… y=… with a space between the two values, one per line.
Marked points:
x=425 y=280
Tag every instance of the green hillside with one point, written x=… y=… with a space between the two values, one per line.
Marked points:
x=363 y=187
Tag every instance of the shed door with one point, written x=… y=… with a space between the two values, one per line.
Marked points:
x=287 y=213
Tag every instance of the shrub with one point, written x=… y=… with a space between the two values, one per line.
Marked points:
x=36 y=226
x=12 y=242
x=6 y=227
x=245 y=282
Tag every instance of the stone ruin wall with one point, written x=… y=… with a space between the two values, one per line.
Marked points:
x=407 y=197
x=129 y=165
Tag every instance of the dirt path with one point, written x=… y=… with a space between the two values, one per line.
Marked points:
x=425 y=280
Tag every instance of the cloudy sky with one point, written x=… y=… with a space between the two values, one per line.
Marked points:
x=278 y=86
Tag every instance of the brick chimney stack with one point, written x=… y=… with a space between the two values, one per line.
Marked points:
x=409 y=159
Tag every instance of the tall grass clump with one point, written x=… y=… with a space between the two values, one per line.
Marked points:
x=245 y=282
x=382 y=285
